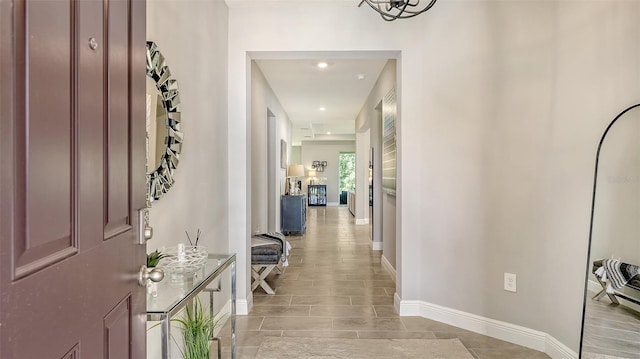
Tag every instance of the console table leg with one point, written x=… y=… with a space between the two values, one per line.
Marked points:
x=166 y=335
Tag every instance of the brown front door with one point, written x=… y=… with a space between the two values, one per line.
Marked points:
x=71 y=178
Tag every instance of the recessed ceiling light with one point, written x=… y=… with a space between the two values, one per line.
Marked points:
x=322 y=109
x=328 y=133
x=323 y=65
x=361 y=76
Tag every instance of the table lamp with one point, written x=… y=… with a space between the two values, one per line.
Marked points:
x=294 y=171
x=312 y=175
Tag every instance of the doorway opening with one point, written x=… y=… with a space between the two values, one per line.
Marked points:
x=321 y=134
x=347 y=174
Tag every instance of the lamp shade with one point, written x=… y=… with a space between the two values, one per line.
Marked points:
x=311 y=173
x=296 y=171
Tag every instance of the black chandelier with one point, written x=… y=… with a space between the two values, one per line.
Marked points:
x=399 y=9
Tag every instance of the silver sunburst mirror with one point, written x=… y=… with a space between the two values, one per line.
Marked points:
x=164 y=138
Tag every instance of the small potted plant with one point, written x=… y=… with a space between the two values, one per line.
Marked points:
x=197 y=328
x=154 y=258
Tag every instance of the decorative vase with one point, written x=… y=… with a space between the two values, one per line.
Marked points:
x=183 y=261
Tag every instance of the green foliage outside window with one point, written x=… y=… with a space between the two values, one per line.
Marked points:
x=347 y=163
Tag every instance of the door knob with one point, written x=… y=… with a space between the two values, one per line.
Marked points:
x=154 y=274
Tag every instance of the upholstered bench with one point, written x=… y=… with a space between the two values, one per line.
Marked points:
x=268 y=251
x=633 y=283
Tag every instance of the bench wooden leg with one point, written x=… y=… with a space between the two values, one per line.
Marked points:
x=601 y=293
x=259 y=274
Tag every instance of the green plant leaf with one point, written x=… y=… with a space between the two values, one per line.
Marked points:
x=197 y=327
x=154 y=258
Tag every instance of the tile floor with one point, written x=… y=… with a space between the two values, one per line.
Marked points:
x=611 y=329
x=335 y=286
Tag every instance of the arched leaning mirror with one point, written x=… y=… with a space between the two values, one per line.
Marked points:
x=611 y=317
x=164 y=139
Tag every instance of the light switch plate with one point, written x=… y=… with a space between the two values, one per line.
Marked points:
x=510 y=282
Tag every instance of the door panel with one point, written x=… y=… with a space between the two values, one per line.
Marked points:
x=71 y=162
x=91 y=128
x=47 y=118
x=117 y=200
x=49 y=94
x=116 y=328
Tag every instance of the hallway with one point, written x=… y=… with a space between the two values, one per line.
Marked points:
x=336 y=287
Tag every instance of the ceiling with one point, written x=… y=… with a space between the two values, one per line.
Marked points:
x=304 y=89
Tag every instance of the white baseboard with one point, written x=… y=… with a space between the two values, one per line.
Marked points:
x=512 y=333
x=555 y=349
x=243 y=306
x=360 y=221
x=249 y=301
x=376 y=246
x=387 y=266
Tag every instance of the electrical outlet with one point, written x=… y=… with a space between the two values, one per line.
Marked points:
x=510 y=282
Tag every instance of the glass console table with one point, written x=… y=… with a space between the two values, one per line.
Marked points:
x=172 y=296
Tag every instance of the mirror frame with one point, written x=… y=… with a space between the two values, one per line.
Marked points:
x=161 y=179
x=593 y=204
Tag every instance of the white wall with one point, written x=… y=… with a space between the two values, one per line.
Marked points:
x=296 y=154
x=199 y=198
x=384 y=205
x=502 y=105
x=326 y=151
x=263 y=98
x=363 y=143
x=389 y=228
